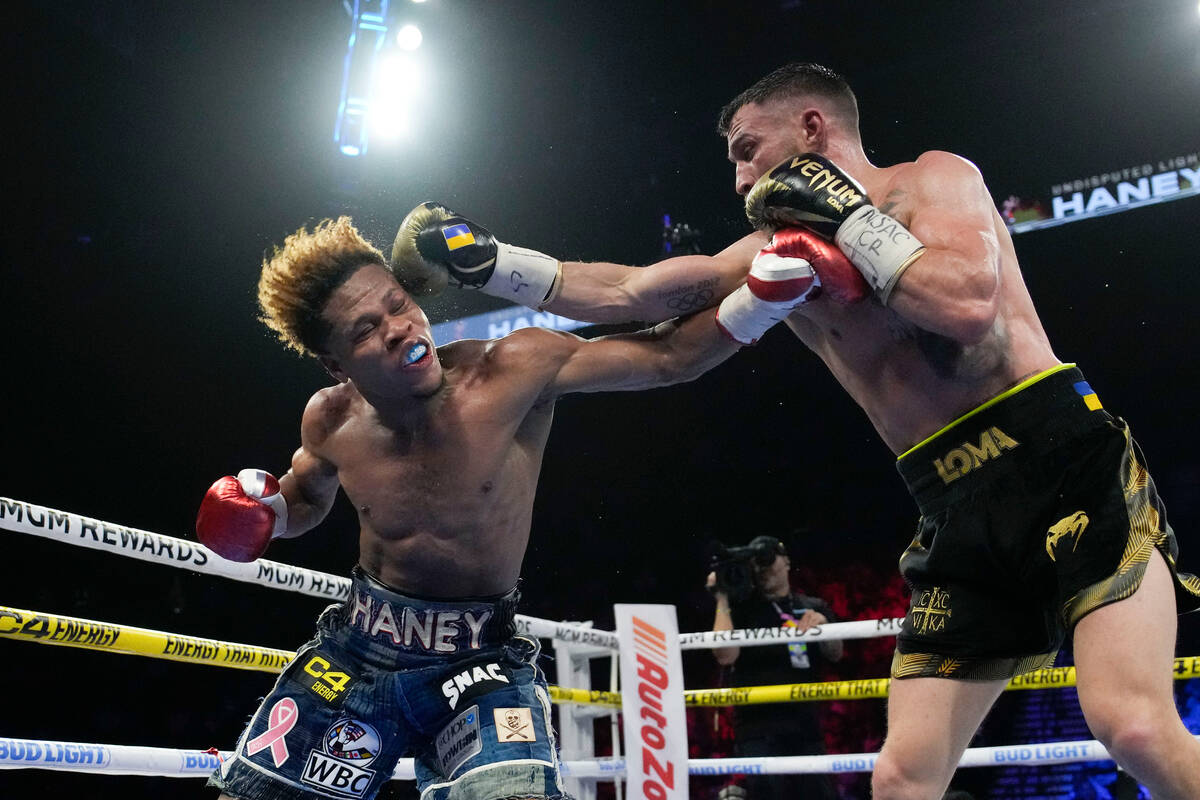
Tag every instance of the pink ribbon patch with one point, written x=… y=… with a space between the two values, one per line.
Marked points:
x=283 y=718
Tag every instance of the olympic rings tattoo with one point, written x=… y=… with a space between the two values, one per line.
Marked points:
x=691 y=300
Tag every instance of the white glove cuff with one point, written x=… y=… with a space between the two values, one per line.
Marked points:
x=769 y=267
x=746 y=318
x=254 y=484
x=879 y=246
x=523 y=276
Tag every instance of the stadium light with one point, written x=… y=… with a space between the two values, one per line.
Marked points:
x=368 y=32
x=409 y=37
x=398 y=84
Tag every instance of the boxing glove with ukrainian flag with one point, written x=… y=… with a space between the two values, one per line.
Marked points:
x=811 y=190
x=436 y=248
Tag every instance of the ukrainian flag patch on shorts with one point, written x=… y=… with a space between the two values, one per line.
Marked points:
x=1089 y=397
x=457 y=236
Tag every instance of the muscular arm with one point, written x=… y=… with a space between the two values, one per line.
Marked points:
x=601 y=292
x=311 y=484
x=672 y=352
x=953 y=288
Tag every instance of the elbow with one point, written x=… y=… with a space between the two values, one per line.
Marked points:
x=673 y=363
x=625 y=302
x=675 y=371
x=619 y=302
x=973 y=328
x=677 y=368
x=974 y=322
x=975 y=315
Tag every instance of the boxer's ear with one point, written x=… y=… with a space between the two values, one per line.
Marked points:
x=334 y=368
x=812 y=128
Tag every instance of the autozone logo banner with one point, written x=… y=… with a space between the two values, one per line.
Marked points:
x=652 y=681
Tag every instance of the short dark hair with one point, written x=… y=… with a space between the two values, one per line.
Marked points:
x=797 y=79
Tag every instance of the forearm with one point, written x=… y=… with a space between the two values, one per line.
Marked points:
x=613 y=293
x=723 y=621
x=685 y=349
x=697 y=344
x=672 y=352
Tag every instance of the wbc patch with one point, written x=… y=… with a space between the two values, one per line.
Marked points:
x=339 y=766
x=459 y=741
x=475 y=681
x=514 y=725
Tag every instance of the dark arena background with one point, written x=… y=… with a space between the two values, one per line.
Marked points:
x=154 y=151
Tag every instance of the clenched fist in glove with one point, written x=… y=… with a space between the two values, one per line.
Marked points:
x=436 y=247
x=240 y=516
x=811 y=190
x=794 y=268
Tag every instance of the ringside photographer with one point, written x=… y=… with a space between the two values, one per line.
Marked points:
x=752 y=589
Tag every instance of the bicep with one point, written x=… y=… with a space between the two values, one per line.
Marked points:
x=686 y=284
x=964 y=232
x=953 y=287
x=313 y=479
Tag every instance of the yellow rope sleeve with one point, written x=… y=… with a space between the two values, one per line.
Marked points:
x=34 y=626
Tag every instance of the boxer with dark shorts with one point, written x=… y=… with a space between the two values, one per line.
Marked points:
x=439 y=450
x=917 y=305
x=1036 y=509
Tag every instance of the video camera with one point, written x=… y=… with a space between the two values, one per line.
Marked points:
x=734 y=566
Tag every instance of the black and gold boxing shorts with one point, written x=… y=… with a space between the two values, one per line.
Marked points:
x=1036 y=509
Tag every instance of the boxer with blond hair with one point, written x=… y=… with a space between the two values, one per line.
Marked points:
x=439 y=450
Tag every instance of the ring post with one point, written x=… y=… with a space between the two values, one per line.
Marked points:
x=575 y=735
x=652 y=699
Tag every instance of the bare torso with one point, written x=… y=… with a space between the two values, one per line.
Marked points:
x=912 y=382
x=445 y=505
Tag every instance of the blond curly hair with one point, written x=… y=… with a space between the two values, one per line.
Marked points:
x=298 y=278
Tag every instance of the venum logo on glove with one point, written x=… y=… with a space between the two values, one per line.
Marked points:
x=840 y=193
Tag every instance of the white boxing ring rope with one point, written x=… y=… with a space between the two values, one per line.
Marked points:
x=113 y=759
x=74 y=529
x=572 y=640
x=81 y=531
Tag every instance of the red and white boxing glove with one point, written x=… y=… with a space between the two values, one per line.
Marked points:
x=794 y=268
x=240 y=516
x=837 y=276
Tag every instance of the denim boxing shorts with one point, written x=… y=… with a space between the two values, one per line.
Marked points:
x=390 y=676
